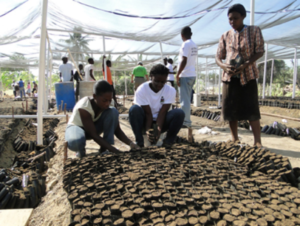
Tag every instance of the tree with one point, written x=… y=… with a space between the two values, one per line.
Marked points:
x=78 y=44
x=7 y=77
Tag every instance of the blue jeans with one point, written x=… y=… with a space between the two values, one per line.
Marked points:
x=185 y=92
x=22 y=92
x=107 y=123
x=172 y=124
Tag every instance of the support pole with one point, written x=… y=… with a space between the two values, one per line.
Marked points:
x=295 y=74
x=125 y=84
x=252 y=11
x=265 y=71
x=42 y=61
x=161 y=52
x=197 y=75
x=271 y=79
x=206 y=74
x=219 y=94
x=104 y=61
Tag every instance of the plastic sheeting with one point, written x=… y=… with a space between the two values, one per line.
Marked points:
x=137 y=27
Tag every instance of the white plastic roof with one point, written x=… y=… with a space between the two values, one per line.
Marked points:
x=135 y=27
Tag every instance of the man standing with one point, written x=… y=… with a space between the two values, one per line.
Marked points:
x=186 y=75
x=139 y=74
x=171 y=72
x=66 y=70
x=34 y=90
x=77 y=79
x=89 y=71
x=21 y=87
x=14 y=88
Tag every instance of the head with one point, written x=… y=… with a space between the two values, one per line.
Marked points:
x=28 y=82
x=20 y=79
x=64 y=60
x=108 y=63
x=158 y=76
x=33 y=82
x=165 y=60
x=140 y=63
x=186 y=33
x=103 y=94
x=170 y=61
x=236 y=15
x=80 y=66
x=91 y=61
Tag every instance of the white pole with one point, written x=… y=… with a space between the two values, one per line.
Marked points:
x=50 y=85
x=104 y=61
x=271 y=79
x=206 y=74
x=219 y=94
x=265 y=71
x=125 y=84
x=46 y=85
x=42 y=72
x=252 y=10
x=295 y=73
x=197 y=75
x=114 y=78
x=161 y=52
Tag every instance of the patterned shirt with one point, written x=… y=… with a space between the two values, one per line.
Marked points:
x=246 y=43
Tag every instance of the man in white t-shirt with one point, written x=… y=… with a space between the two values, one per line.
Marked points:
x=186 y=75
x=171 y=71
x=152 y=101
x=65 y=70
x=89 y=71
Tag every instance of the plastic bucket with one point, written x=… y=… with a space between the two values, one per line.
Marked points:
x=64 y=91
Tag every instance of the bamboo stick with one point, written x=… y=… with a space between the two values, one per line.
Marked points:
x=75 y=64
x=281 y=116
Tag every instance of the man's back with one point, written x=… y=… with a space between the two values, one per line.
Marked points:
x=188 y=49
x=87 y=72
x=139 y=71
x=21 y=84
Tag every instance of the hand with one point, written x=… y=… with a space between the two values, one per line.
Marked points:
x=241 y=67
x=60 y=81
x=115 y=150
x=229 y=69
x=134 y=146
x=178 y=80
x=131 y=80
x=150 y=136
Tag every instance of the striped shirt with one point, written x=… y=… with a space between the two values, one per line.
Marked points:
x=246 y=43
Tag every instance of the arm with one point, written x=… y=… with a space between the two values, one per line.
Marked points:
x=161 y=118
x=249 y=62
x=147 y=77
x=103 y=62
x=132 y=78
x=60 y=77
x=149 y=116
x=181 y=67
x=71 y=75
x=90 y=128
x=91 y=74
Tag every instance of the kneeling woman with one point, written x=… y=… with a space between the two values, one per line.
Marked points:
x=91 y=117
x=152 y=101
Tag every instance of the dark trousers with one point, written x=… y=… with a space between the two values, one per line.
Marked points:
x=172 y=124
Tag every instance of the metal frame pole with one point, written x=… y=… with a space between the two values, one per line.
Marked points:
x=104 y=61
x=206 y=74
x=265 y=71
x=125 y=84
x=295 y=74
x=219 y=94
x=197 y=75
x=42 y=61
x=271 y=79
x=252 y=10
x=161 y=52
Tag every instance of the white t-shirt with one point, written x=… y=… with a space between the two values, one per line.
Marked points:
x=65 y=70
x=144 y=95
x=170 y=76
x=87 y=73
x=85 y=104
x=190 y=50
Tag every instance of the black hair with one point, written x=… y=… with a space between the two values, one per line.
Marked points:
x=159 y=69
x=64 y=58
x=90 y=59
x=186 y=32
x=102 y=87
x=80 y=65
x=239 y=8
x=108 y=62
x=170 y=60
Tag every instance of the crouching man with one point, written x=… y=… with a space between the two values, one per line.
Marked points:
x=152 y=102
x=91 y=117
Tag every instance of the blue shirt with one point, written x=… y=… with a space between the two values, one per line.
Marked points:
x=21 y=84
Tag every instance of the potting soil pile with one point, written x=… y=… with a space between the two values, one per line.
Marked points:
x=189 y=184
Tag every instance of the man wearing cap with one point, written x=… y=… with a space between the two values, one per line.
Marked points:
x=66 y=70
x=139 y=74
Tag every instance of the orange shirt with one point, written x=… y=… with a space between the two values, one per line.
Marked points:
x=109 y=80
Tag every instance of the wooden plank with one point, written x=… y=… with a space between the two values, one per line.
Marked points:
x=15 y=217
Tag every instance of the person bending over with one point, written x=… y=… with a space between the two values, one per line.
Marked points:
x=240 y=47
x=91 y=117
x=152 y=102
